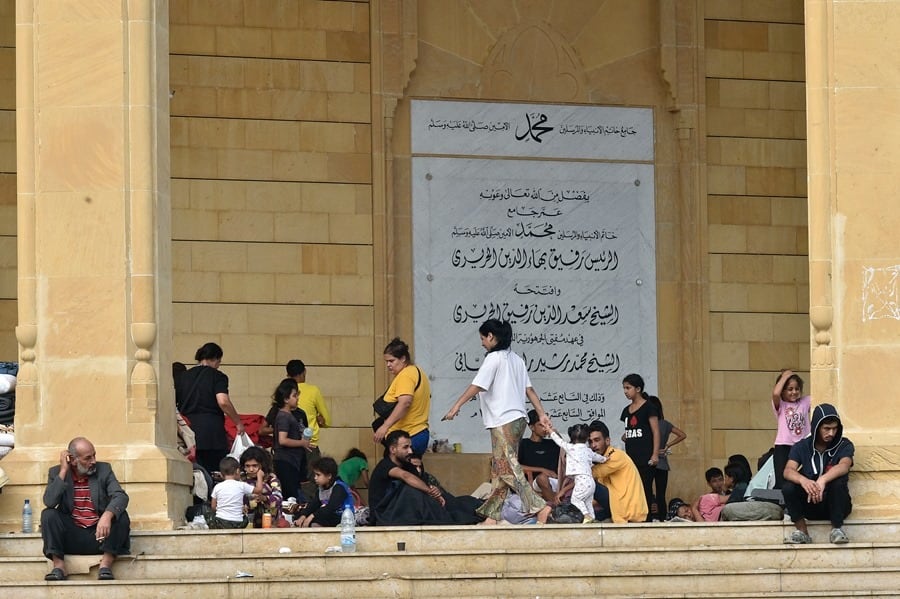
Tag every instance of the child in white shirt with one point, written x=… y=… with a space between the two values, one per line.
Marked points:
x=228 y=495
x=579 y=459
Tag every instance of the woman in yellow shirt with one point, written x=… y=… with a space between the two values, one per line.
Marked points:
x=411 y=391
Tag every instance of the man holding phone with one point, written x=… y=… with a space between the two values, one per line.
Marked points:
x=85 y=511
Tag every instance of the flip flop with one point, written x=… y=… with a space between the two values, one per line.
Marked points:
x=105 y=574
x=56 y=574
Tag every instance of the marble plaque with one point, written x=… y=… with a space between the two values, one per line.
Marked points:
x=532 y=130
x=564 y=250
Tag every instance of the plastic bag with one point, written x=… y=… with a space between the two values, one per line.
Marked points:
x=241 y=442
x=566 y=513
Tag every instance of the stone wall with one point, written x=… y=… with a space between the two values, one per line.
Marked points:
x=757 y=217
x=290 y=183
x=8 y=317
x=271 y=196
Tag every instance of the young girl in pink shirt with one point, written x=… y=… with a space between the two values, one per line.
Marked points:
x=792 y=412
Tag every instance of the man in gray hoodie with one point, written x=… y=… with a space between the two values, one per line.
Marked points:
x=816 y=477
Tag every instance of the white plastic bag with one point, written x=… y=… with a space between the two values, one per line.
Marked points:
x=241 y=442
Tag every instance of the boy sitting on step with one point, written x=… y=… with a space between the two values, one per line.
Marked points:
x=228 y=496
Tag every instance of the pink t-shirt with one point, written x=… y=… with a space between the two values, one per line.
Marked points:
x=793 y=420
x=709 y=507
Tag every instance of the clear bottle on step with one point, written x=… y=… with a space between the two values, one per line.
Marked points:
x=348 y=528
x=26 y=517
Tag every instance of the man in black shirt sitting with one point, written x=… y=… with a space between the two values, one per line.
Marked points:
x=539 y=457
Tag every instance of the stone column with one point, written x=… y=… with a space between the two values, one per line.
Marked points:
x=854 y=155
x=94 y=242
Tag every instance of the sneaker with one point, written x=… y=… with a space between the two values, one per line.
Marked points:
x=838 y=537
x=798 y=538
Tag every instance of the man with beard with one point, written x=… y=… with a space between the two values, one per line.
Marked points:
x=85 y=511
x=397 y=496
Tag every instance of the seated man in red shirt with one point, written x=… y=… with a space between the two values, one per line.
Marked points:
x=85 y=513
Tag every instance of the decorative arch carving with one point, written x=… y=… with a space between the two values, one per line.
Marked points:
x=534 y=61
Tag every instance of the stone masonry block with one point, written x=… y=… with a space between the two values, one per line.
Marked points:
x=305 y=289
x=726 y=180
x=772 y=298
x=742 y=93
x=769 y=355
x=196 y=287
x=772 y=240
x=206 y=194
x=729 y=356
x=349 y=289
x=724 y=63
x=219 y=319
x=784 y=66
x=307 y=228
x=273 y=257
x=747 y=268
x=737 y=35
x=248 y=287
x=728 y=297
x=340 y=321
x=778 y=11
x=727 y=239
x=300 y=43
x=213 y=12
x=347 y=45
x=218 y=257
x=245 y=164
x=350 y=228
x=774 y=181
x=249 y=348
x=300 y=166
x=252 y=103
x=192 y=39
x=740 y=327
x=195 y=224
x=243 y=41
x=739 y=210
x=271 y=13
x=273 y=135
x=730 y=414
x=280 y=319
x=786 y=37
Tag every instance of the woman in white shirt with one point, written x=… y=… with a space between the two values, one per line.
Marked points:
x=502 y=384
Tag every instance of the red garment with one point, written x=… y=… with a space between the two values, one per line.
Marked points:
x=83 y=511
x=252 y=424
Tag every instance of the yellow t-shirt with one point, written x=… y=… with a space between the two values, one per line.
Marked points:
x=626 y=492
x=416 y=418
x=312 y=402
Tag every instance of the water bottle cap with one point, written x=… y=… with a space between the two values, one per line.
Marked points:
x=27 y=501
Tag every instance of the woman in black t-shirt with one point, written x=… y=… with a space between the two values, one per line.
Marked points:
x=641 y=420
x=201 y=395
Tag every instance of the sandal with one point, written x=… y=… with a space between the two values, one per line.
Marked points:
x=56 y=574
x=105 y=574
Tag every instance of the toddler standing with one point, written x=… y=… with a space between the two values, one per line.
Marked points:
x=579 y=458
x=228 y=495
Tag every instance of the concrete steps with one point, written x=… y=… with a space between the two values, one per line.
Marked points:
x=636 y=560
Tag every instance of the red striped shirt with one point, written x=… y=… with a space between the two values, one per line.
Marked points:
x=84 y=513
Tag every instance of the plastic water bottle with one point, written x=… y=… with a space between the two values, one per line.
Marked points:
x=26 y=517
x=348 y=529
x=307 y=434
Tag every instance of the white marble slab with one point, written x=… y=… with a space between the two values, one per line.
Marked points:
x=565 y=251
x=442 y=127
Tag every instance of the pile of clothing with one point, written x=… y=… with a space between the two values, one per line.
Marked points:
x=8 y=372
